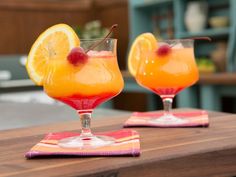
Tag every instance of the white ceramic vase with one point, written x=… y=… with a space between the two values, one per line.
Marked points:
x=196 y=16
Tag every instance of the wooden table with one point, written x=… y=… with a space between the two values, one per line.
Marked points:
x=165 y=152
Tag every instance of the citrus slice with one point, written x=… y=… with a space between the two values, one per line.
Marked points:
x=54 y=43
x=143 y=43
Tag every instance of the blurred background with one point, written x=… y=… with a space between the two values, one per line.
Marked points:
x=21 y=21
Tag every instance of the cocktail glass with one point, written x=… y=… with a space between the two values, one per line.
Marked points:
x=166 y=72
x=85 y=86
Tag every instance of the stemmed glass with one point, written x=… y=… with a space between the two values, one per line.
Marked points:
x=85 y=86
x=166 y=71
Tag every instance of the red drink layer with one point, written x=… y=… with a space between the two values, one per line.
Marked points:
x=167 y=92
x=86 y=103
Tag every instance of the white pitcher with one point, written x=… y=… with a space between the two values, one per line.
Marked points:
x=196 y=16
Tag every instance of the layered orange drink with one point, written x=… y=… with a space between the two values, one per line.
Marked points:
x=79 y=78
x=166 y=68
x=88 y=84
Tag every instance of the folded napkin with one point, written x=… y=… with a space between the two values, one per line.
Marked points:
x=154 y=119
x=126 y=143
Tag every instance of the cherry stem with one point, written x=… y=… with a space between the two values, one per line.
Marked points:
x=200 y=38
x=98 y=43
x=194 y=38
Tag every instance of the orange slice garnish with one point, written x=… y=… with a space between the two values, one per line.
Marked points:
x=54 y=43
x=142 y=44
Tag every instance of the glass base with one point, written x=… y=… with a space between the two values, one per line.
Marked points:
x=89 y=142
x=169 y=120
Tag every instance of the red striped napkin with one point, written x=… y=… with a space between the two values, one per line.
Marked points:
x=126 y=143
x=153 y=119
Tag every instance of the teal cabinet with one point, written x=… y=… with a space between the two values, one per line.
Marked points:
x=142 y=19
x=166 y=17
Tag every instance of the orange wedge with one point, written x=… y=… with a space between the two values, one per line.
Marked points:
x=54 y=43
x=142 y=44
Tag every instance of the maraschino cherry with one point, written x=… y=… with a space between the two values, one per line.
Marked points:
x=163 y=50
x=78 y=55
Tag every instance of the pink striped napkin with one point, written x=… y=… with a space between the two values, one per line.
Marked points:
x=153 y=119
x=126 y=143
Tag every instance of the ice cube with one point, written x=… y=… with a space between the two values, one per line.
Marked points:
x=100 y=53
x=178 y=46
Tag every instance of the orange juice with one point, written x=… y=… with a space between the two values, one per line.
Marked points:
x=85 y=86
x=168 y=74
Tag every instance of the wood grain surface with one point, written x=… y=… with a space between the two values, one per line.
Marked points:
x=218 y=79
x=165 y=151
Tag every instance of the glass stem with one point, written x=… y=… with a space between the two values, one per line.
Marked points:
x=85 y=119
x=167 y=103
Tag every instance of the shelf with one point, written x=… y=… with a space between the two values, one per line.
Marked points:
x=224 y=78
x=151 y=3
x=208 y=32
x=16 y=83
